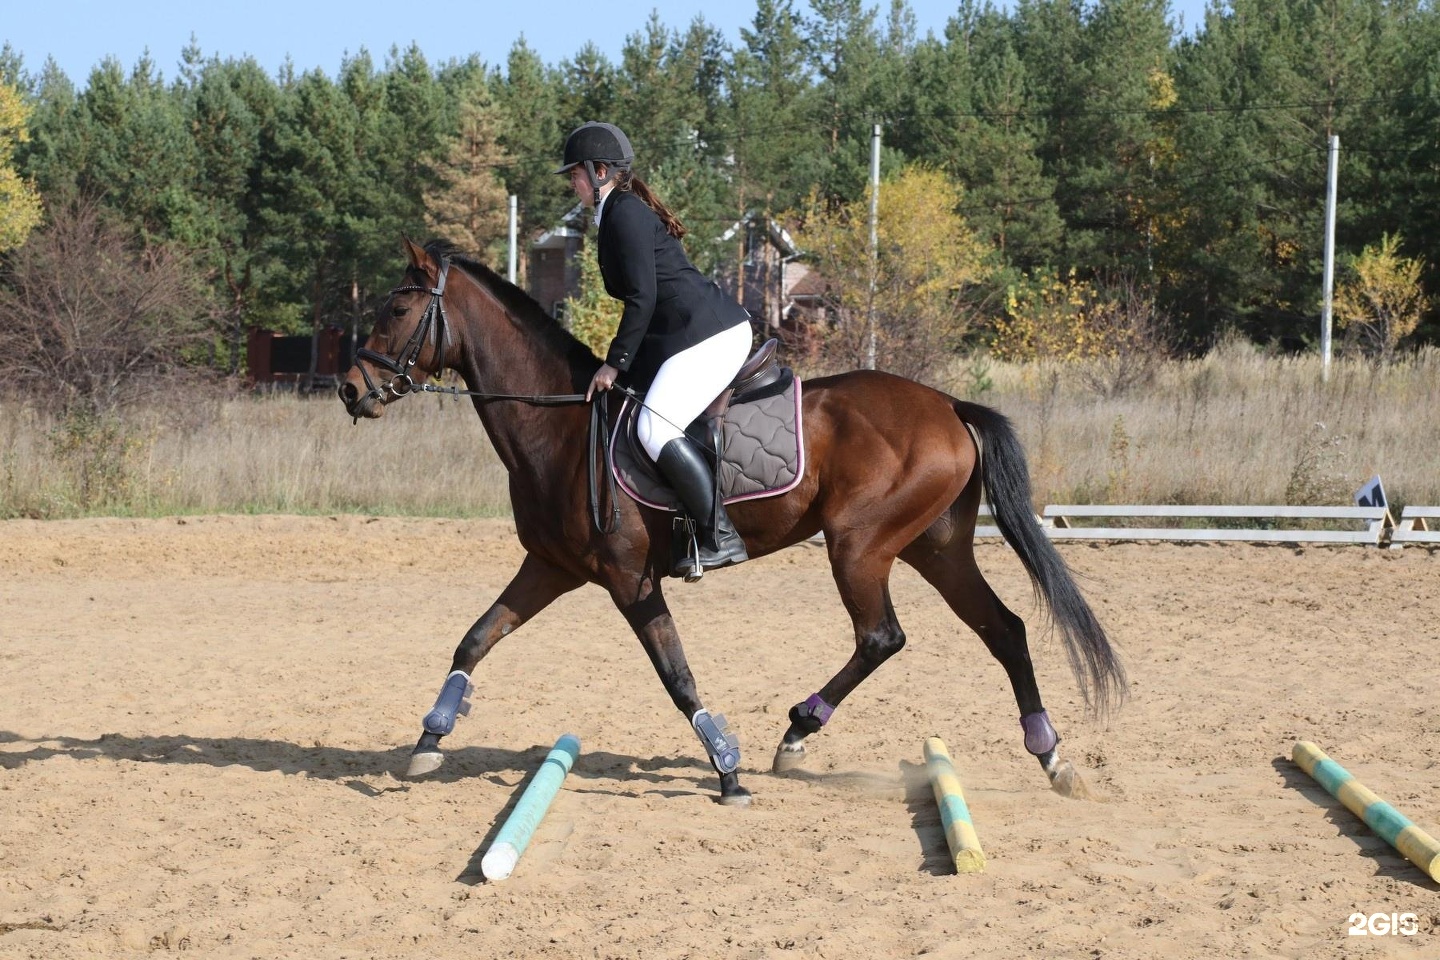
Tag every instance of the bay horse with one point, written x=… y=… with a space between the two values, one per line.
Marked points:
x=892 y=469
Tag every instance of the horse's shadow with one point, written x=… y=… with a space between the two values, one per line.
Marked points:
x=919 y=801
x=369 y=772
x=1389 y=862
x=347 y=766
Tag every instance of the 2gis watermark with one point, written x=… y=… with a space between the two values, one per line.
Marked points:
x=1382 y=924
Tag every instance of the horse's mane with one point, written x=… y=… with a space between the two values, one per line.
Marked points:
x=519 y=304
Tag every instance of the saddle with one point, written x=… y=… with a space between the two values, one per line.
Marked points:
x=760 y=371
x=750 y=433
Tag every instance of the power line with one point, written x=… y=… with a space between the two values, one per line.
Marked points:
x=1210 y=108
x=1105 y=192
x=1154 y=182
x=717 y=136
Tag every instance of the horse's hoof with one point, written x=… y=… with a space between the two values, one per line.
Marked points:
x=788 y=758
x=1068 y=783
x=423 y=763
x=739 y=798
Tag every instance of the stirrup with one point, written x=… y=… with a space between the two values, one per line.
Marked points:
x=687 y=566
x=695 y=569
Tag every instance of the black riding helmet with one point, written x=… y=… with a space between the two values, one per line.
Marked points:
x=595 y=142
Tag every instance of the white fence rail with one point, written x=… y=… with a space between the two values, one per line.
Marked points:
x=986 y=530
x=1372 y=526
x=1374 y=521
x=1413 y=527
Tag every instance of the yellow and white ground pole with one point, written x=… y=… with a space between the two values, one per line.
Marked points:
x=954 y=814
x=1415 y=844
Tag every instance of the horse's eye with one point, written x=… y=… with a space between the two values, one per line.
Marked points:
x=398 y=311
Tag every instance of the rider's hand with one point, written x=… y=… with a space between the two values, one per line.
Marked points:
x=603 y=380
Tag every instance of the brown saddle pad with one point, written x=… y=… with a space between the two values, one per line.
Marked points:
x=764 y=451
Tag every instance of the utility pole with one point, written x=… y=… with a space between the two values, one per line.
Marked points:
x=514 y=229
x=742 y=235
x=874 y=241
x=1329 y=298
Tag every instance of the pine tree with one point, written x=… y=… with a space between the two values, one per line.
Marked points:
x=1401 y=183
x=228 y=107
x=587 y=88
x=135 y=148
x=775 y=151
x=653 y=104
x=313 y=173
x=1278 y=79
x=668 y=102
x=466 y=202
x=413 y=116
x=1048 y=37
x=1010 y=198
x=531 y=135
x=1106 y=171
x=54 y=153
x=845 y=50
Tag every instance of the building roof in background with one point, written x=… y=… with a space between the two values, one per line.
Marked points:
x=570 y=225
x=777 y=234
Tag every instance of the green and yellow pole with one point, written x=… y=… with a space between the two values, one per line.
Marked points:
x=954 y=814
x=1415 y=844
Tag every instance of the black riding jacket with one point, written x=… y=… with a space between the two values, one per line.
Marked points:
x=669 y=306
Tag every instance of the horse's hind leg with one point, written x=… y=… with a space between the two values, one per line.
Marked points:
x=949 y=566
x=536 y=585
x=862 y=572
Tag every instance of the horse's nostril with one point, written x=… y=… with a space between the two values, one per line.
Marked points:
x=348 y=393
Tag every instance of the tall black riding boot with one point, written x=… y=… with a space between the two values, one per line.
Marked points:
x=694 y=482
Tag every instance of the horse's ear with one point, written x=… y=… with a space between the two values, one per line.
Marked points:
x=420 y=259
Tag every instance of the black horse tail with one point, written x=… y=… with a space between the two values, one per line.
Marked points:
x=1097 y=669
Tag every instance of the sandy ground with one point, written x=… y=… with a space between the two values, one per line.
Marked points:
x=202 y=723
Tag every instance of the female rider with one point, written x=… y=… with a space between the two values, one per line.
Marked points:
x=679 y=334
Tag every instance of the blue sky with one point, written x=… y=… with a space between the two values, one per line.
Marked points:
x=79 y=33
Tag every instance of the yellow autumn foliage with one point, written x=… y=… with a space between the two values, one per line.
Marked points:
x=1050 y=316
x=20 y=210
x=1382 y=301
x=592 y=315
x=928 y=257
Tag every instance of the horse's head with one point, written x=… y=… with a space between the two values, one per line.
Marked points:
x=408 y=342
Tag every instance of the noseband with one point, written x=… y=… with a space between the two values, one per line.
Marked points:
x=433 y=318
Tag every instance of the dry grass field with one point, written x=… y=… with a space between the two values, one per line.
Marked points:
x=1235 y=426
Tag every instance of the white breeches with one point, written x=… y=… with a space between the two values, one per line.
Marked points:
x=686 y=384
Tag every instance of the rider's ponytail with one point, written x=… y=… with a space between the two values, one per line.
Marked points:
x=625 y=180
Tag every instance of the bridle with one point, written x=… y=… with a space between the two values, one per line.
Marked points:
x=402 y=384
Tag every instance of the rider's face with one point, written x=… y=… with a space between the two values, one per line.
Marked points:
x=580 y=183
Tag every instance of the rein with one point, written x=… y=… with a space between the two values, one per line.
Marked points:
x=403 y=384
x=535 y=399
x=597 y=447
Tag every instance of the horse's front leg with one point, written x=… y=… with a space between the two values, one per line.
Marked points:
x=650 y=618
x=535 y=586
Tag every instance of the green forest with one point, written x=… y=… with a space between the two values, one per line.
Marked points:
x=1084 y=149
